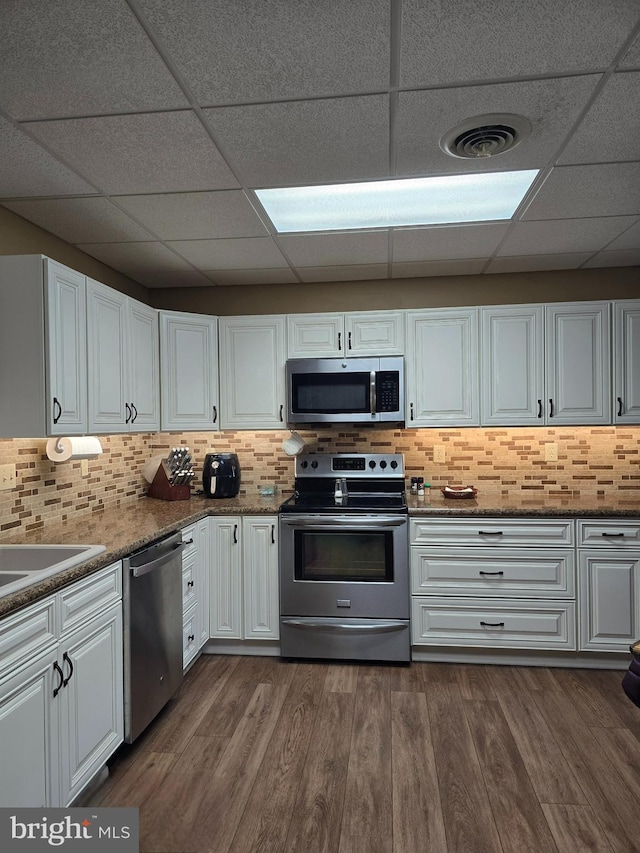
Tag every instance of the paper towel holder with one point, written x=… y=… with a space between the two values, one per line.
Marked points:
x=63 y=449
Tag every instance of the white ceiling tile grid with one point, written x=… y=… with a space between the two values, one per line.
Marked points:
x=139 y=130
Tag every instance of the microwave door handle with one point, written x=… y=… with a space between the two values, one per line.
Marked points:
x=372 y=386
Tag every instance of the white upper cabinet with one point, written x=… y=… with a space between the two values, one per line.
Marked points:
x=626 y=361
x=353 y=334
x=252 y=380
x=442 y=368
x=513 y=365
x=43 y=348
x=124 y=388
x=189 y=371
x=578 y=363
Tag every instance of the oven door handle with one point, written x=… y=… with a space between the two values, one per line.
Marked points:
x=379 y=626
x=343 y=522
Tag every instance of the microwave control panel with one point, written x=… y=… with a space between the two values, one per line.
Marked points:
x=388 y=391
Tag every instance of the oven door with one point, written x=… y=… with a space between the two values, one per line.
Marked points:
x=344 y=566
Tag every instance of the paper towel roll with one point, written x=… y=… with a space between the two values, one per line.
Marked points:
x=75 y=447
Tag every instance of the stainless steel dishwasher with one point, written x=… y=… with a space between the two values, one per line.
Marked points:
x=152 y=631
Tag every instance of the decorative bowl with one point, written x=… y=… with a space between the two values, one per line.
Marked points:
x=459 y=492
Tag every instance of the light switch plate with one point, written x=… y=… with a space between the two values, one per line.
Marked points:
x=7 y=477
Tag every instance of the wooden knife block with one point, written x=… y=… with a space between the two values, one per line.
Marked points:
x=161 y=487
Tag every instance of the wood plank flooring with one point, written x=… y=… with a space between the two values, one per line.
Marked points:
x=255 y=755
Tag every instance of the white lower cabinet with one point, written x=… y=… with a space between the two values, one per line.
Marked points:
x=472 y=586
x=609 y=584
x=61 y=691
x=244 y=578
x=195 y=589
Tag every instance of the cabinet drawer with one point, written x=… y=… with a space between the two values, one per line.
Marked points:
x=87 y=597
x=24 y=633
x=190 y=636
x=491 y=531
x=610 y=533
x=189 y=594
x=515 y=624
x=494 y=572
x=189 y=540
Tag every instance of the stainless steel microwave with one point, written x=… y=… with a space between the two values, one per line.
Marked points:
x=345 y=390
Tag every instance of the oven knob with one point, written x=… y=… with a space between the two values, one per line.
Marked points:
x=304 y=464
x=393 y=463
x=383 y=464
x=314 y=464
x=372 y=463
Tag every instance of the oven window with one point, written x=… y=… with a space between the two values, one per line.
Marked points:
x=344 y=555
x=331 y=393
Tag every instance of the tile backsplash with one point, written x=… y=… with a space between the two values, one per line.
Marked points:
x=591 y=460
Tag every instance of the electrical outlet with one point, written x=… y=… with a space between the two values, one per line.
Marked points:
x=439 y=454
x=7 y=477
x=84 y=467
x=551 y=452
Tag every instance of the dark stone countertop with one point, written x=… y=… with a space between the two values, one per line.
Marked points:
x=535 y=504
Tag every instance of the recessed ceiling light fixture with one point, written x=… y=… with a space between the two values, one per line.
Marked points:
x=397 y=202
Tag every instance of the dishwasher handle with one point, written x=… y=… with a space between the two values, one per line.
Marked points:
x=146 y=568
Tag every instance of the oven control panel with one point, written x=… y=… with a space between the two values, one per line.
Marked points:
x=374 y=465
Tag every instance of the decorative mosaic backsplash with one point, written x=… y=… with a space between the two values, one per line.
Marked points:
x=591 y=460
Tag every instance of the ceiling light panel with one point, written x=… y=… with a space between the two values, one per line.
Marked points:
x=397 y=203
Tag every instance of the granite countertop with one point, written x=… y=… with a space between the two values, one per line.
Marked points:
x=123 y=530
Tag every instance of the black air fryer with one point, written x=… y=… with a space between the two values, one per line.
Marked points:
x=221 y=475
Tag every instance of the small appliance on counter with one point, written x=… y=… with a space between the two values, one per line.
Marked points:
x=221 y=475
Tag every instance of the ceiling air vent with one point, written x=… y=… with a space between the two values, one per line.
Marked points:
x=485 y=136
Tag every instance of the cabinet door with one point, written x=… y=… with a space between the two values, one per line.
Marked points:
x=626 y=348
x=512 y=374
x=609 y=590
x=578 y=363
x=442 y=368
x=66 y=362
x=144 y=369
x=92 y=704
x=28 y=734
x=260 y=569
x=315 y=335
x=252 y=372
x=189 y=371
x=225 y=612
x=374 y=333
x=109 y=410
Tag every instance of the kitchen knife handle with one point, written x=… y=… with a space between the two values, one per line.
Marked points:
x=550 y=407
x=56 y=417
x=619 y=406
x=215 y=414
x=539 y=408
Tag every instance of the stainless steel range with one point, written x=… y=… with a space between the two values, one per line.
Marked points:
x=344 y=559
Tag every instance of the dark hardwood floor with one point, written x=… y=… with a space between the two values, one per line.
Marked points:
x=255 y=754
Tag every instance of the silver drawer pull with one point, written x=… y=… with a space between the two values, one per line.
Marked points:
x=492 y=624
x=490 y=573
x=613 y=535
x=489 y=532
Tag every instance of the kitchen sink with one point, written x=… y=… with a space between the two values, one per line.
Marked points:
x=23 y=565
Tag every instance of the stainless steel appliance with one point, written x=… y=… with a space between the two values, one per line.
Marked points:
x=344 y=559
x=221 y=475
x=345 y=390
x=152 y=631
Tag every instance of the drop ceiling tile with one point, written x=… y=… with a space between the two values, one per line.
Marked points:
x=558 y=236
x=609 y=131
x=314 y=250
x=629 y=240
x=446 y=243
x=134 y=258
x=195 y=216
x=78 y=63
x=551 y=106
x=177 y=278
x=81 y=220
x=569 y=261
x=147 y=153
x=306 y=142
x=28 y=170
x=611 y=189
x=228 y=254
x=268 y=276
x=632 y=57
x=622 y=258
x=420 y=269
x=359 y=272
x=253 y=51
x=467 y=40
